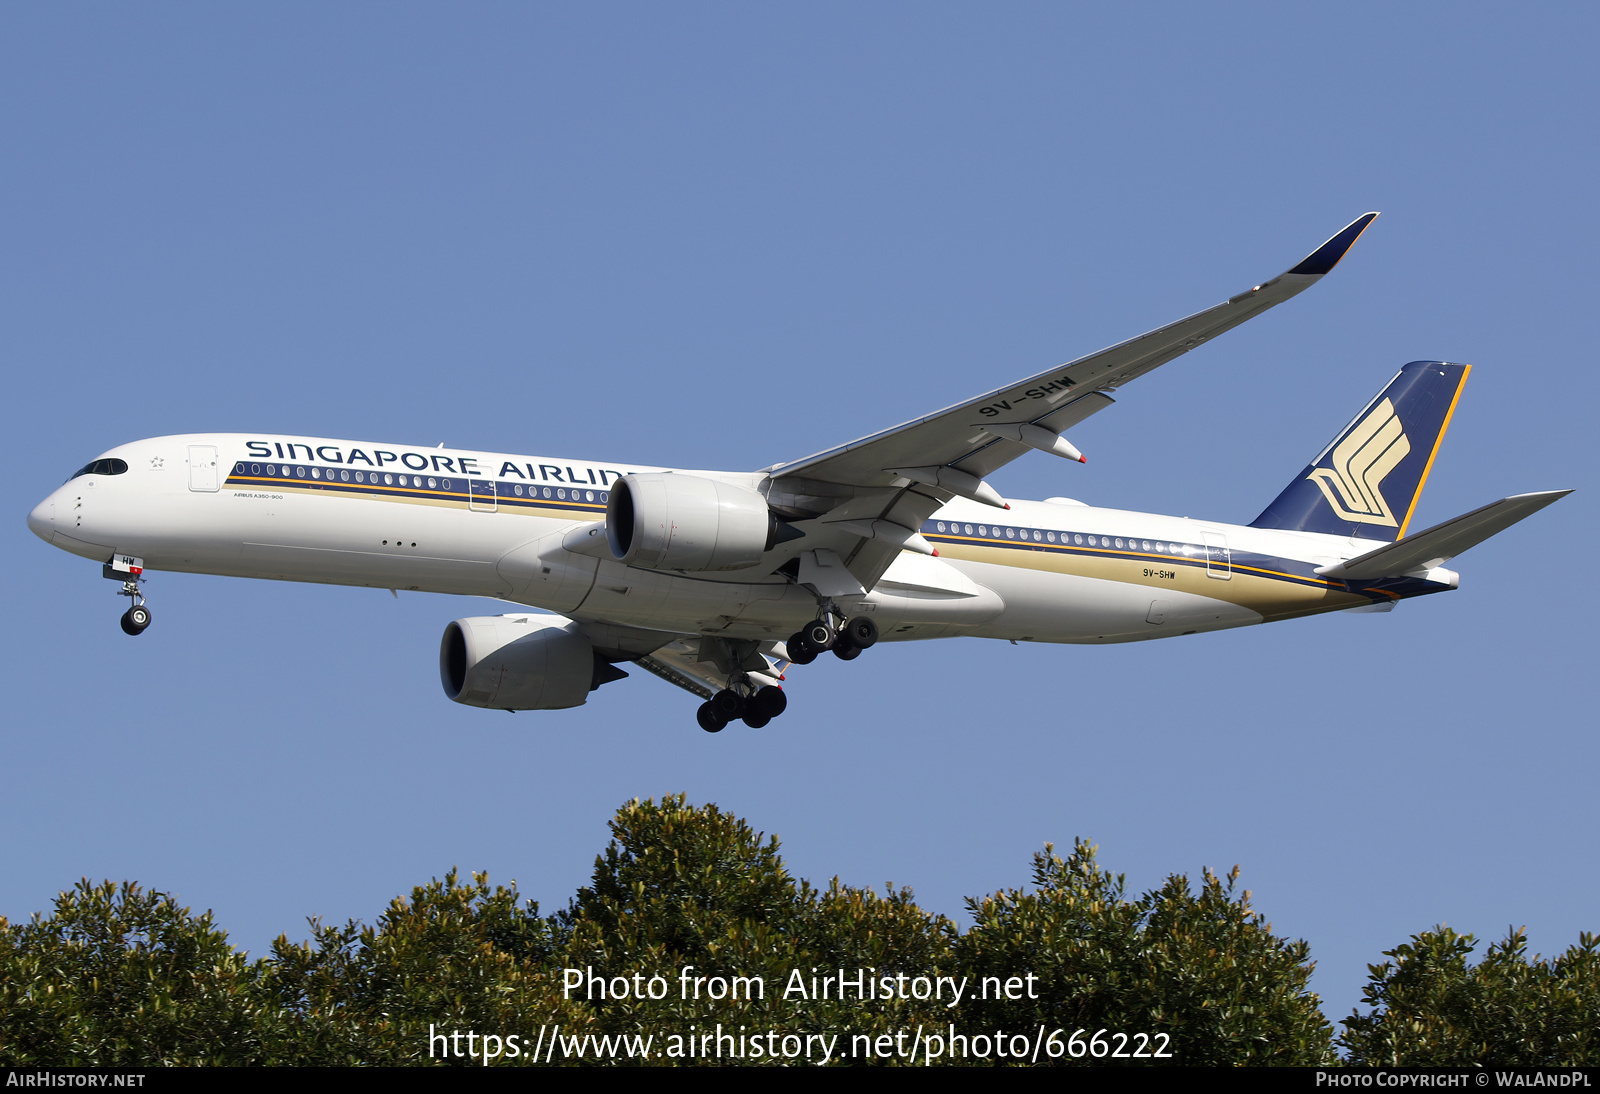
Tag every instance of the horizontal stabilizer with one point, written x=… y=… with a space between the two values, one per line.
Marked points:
x=1437 y=545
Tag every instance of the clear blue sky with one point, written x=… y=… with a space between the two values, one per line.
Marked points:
x=724 y=235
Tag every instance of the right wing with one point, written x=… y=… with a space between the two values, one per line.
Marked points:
x=863 y=502
x=956 y=436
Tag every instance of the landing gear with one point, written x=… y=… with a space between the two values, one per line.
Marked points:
x=768 y=703
x=861 y=632
x=819 y=636
x=807 y=642
x=800 y=651
x=707 y=717
x=750 y=693
x=137 y=617
x=857 y=635
x=728 y=706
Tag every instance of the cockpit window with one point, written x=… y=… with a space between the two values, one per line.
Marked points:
x=103 y=467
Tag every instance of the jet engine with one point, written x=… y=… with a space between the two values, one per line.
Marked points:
x=684 y=522
x=520 y=662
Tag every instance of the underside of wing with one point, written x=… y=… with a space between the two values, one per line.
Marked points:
x=704 y=666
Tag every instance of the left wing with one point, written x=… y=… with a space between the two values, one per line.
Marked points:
x=865 y=500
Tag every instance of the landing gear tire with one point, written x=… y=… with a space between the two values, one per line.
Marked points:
x=819 y=635
x=135 y=619
x=728 y=705
x=846 y=653
x=707 y=717
x=768 y=703
x=861 y=632
x=800 y=650
x=755 y=721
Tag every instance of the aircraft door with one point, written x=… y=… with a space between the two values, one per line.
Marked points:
x=203 y=468
x=1219 y=561
x=481 y=496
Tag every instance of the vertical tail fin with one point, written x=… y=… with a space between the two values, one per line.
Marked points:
x=1366 y=482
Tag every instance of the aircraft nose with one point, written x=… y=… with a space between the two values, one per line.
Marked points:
x=42 y=521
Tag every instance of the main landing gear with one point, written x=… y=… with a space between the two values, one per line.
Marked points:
x=819 y=636
x=137 y=617
x=742 y=701
x=728 y=705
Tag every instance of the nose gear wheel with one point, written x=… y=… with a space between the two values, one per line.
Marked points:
x=137 y=617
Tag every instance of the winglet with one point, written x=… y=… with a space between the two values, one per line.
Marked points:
x=1327 y=256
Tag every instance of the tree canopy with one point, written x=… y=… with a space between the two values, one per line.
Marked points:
x=692 y=943
x=1429 y=1008
x=119 y=976
x=1203 y=970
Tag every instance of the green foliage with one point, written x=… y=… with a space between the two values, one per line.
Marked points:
x=1429 y=1009
x=1203 y=969
x=454 y=957
x=122 y=977
x=685 y=887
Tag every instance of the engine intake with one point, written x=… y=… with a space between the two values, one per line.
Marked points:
x=684 y=522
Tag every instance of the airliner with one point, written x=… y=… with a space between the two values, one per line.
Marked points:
x=722 y=582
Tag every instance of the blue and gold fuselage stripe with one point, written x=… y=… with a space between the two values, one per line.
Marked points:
x=467 y=491
x=1189 y=556
x=477 y=493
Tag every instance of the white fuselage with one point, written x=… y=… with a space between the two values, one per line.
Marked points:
x=518 y=528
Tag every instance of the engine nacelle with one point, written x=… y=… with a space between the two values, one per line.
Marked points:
x=520 y=662
x=684 y=522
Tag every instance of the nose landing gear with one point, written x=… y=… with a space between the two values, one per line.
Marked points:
x=130 y=572
x=135 y=619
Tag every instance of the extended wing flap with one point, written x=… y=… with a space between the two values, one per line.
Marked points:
x=680 y=663
x=1437 y=545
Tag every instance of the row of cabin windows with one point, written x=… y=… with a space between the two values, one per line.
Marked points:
x=390 y=479
x=1069 y=538
x=328 y=473
x=599 y=496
